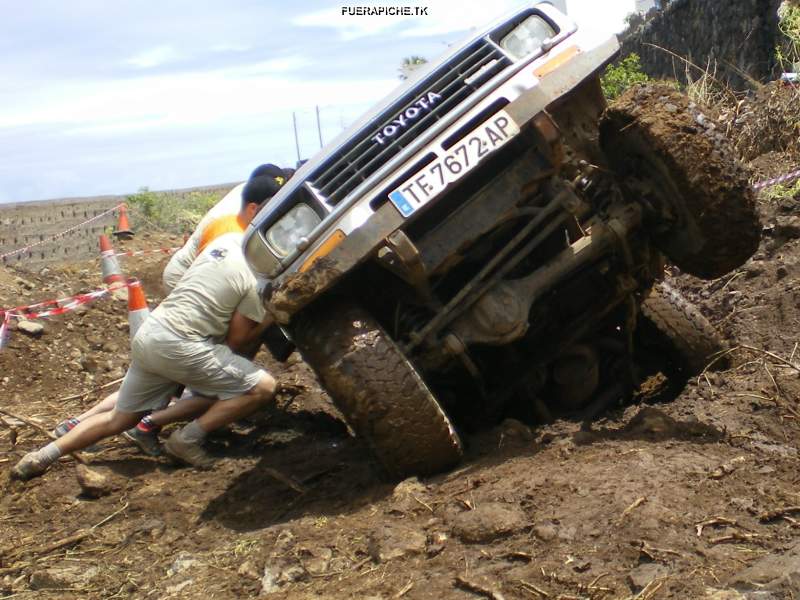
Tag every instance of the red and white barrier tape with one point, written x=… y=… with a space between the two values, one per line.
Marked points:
x=61 y=234
x=143 y=252
x=776 y=180
x=61 y=305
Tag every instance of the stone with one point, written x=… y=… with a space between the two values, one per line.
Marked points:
x=93 y=483
x=712 y=594
x=409 y=487
x=151 y=527
x=772 y=572
x=24 y=283
x=408 y=496
x=32 y=328
x=183 y=562
x=88 y=364
x=511 y=428
x=248 y=569
x=546 y=531
x=60 y=577
x=489 y=522
x=392 y=541
x=642 y=575
x=269 y=581
x=172 y=590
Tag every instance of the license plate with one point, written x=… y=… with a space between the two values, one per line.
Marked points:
x=460 y=160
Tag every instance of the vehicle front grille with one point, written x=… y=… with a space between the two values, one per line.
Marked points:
x=362 y=156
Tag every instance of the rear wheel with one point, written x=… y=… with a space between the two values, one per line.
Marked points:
x=378 y=390
x=692 y=340
x=673 y=157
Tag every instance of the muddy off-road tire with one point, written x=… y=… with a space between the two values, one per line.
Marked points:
x=377 y=389
x=674 y=157
x=693 y=341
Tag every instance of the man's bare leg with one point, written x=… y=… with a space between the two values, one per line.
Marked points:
x=105 y=405
x=186 y=408
x=185 y=443
x=86 y=433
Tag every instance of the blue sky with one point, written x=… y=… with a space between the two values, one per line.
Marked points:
x=101 y=97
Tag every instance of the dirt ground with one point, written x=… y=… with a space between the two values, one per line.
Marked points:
x=690 y=498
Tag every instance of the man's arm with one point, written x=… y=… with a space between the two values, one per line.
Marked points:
x=244 y=334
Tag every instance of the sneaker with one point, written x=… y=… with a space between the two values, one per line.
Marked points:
x=147 y=441
x=65 y=427
x=30 y=466
x=187 y=452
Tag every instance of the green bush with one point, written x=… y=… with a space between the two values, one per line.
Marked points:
x=172 y=211
x=788 y=53
x=621 y=76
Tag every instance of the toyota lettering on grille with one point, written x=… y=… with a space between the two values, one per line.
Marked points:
x=407 y=117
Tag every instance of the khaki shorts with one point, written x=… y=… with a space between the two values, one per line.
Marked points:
x=162 y=360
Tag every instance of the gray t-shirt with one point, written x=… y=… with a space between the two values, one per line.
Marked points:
x=231 y=204
x=218 y=283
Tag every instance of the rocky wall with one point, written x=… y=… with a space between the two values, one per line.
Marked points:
x=26 y=223
x=735 y=37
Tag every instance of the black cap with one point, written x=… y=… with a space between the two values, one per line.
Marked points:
x=259 y=189
x=269 y=170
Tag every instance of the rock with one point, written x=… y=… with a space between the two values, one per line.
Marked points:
x=781 y=272
x=111 y=347
x=24 y=283
x=60 y=577
x=269 y=581
x=248 y=569
x=511 y=428
x=712 y=594
x=171 y=590
x=151 y=527
x=772 y=572
x=546 y=531
x=88 y=364
x=32 y=328
x=642 y=575
x=409 y=487
x=93 y=483
x=408 y=496
x=95 y=343
x=436 y=543
x=319 y=562
x=489 y=522
x=182 y=563
x=390 y=542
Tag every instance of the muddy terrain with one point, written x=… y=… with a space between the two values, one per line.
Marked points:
x=688 y=492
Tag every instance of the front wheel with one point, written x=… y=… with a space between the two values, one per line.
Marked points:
x=378 y=390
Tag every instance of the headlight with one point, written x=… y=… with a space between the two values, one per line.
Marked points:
x=259 y=256
x=527 y=37
x=287 y=233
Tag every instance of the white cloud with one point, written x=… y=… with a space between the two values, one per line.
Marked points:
x=153 y=57
x=194 y=99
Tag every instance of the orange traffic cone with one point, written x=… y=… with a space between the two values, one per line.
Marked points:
x=123 y=230
x=108 y=262
x=137 y=306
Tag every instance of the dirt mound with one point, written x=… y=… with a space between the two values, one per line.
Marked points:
x=691 y=498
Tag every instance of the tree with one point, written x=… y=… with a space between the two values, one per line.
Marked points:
x=410 y=64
